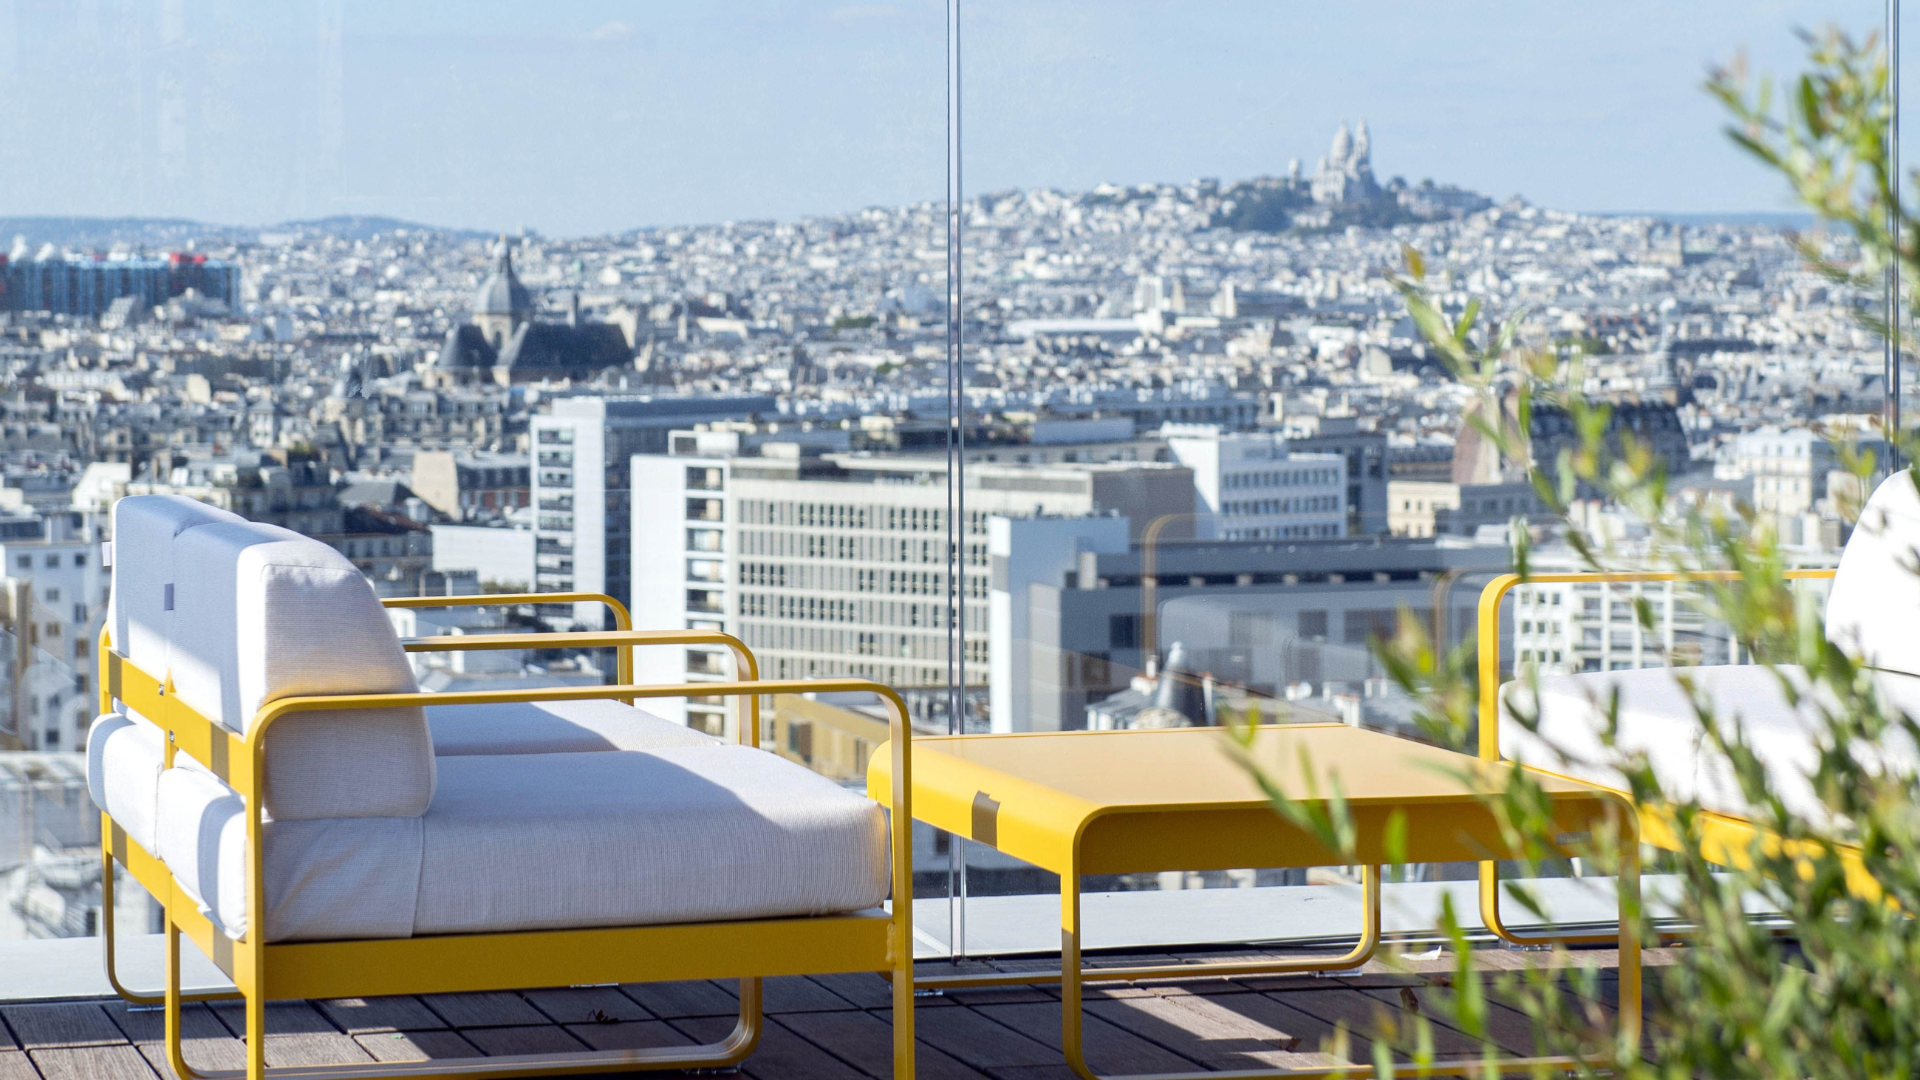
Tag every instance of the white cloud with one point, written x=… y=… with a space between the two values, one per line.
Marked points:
x=610 y=31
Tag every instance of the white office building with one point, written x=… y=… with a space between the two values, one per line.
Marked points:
x=581 y=448
x=836 y=564
x=1250 y=486
x=53 y=599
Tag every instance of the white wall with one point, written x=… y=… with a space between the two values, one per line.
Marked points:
x=502 y=556
x=1024 y=551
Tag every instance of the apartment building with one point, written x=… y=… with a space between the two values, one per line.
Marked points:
x=1595 y=627
x=1251 y=486
x=476 y=486
x=836 y=564
x=581 y=497
x=53 y=598
x=1365 y=451
x=1788 y=468
x=1419 y=508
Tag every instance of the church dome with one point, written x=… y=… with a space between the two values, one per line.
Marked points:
x=502 y=293
x=1342 y=145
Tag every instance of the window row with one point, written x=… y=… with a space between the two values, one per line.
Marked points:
x=884 y=614
x=1281 y=478
x=1299 y=504
x=843 y=516
x=880 y=549
x=782 y=637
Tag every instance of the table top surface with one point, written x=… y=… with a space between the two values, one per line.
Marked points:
x=1193 y=768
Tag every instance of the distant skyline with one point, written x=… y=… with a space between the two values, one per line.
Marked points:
x=594 y=116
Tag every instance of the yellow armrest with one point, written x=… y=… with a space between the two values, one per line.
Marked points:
x=621 y=619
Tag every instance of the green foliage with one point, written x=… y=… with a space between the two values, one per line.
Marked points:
x=853 y=322
x=1837 y=992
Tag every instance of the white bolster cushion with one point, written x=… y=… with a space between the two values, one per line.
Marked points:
x=330 y=879
x=124 y=761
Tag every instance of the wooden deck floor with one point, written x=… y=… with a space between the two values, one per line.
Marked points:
x=829 y=1027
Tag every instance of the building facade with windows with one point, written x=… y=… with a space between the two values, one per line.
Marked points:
x=53 y=599
x=1788 y=468
x=581 y=495
x=1254 y=619
x=1252 y=486
x=836 y=564
x=1593 y=626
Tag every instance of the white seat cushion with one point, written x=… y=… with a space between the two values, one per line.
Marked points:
x=544 y=841
x=334 y=878
x=680 y=834
x=124 y=761
x=1656 y=716
x=553 y=727
x=262 y=613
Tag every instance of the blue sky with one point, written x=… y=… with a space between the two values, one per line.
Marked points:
x=582 y=116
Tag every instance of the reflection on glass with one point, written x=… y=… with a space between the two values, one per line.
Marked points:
x=1280 y=469
x=1208 y=459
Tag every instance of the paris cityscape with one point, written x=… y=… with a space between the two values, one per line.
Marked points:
x=1207 y=456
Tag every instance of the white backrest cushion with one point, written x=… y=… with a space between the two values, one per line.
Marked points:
x=143 y=530
x=262 y=613
x=1873 y=610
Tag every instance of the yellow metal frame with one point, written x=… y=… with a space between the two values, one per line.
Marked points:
x=1074 y=834
x=747 y=950
x=623 y=640
x=1723 y=839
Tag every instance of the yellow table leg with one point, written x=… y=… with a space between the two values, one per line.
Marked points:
x=1072 y=1035
x=1361 y=952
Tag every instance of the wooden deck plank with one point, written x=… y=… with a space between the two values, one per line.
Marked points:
x=793 y=994
x=398 y=1013
x=863 y=989
x=979 y=1041
x=781 y=1055
x=1110 y=1049
x=1509 y=1029
x=673 y=1000
x=121 y=1062
x=499 y=1008
x=1316 y=1035
x=637 y=1035
x=866 y=1042
x=204 y=1053
x=433 y=1045
x=587 y=1005
x=1219 y=1031
x=283 y=1018
x=144 y=1025
x=63 y=1024
x=313 y=1048
x=1377 y=1020
x=540 y=1039
x=15 y=1065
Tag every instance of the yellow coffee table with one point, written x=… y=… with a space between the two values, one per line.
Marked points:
x=1126 y=802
